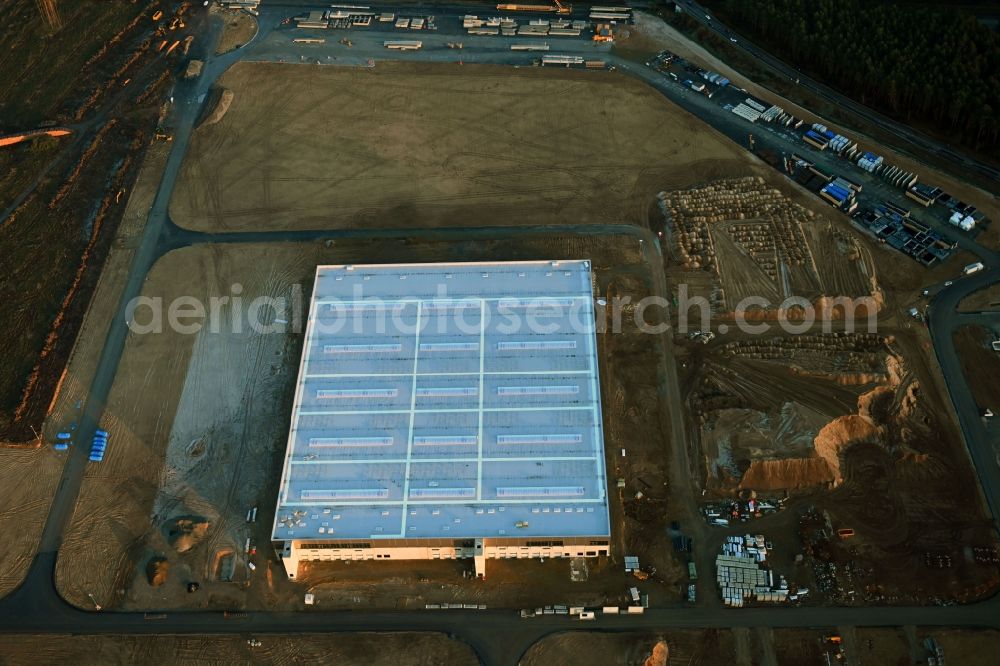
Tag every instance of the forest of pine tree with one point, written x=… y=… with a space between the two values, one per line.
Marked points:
x=926 y=64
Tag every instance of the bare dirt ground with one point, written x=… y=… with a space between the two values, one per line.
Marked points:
x=417 y=145
x=350 y=649
x=198 y=425
x=28 y=478
x=984 y=300
x=963 y=646
x=881 y=647
x=799 y=646
x=980 y=364
x=708 y=646
x=239 y=27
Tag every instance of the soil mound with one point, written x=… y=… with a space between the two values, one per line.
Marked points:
x=787 y=474
x=840 y=434
x=222 y=100
x=185 y=533
x=157 y=570
x=660 y=655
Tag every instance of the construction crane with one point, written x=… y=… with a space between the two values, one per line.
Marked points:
x=558 y=8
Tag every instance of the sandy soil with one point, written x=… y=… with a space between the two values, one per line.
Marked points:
x=239 y=27
x=350 y=649
x=28 y=478
x=984 y=300
x=198 y=421
x=980 y=364
x=650 y=35
x=181 y=447
x=707 y=646
x=417 y=145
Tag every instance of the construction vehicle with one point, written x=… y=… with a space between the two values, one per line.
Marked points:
x=603 y=33
x=557 y=7
x=157 y=15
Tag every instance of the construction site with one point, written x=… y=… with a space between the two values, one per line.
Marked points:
x=754 y=353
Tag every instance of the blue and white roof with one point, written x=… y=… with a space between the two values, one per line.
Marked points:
x=456 y=400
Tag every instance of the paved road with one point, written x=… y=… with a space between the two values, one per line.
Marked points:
x=884 y=123
x=497 y=636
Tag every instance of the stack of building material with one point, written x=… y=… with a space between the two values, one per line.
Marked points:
x=963 y=222
x=530 y=46
x=923 y=194
x=772 y=114
x=839 y=143
x=815 y=139
x=566 y=60
x=312 y=20
x=745 y=112
x=403 y=45
x=870 y=161
x=717 y=79
x=98 y=446
x=533 y=29
x=740 y=574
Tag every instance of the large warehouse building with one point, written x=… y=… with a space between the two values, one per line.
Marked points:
x=446 y=411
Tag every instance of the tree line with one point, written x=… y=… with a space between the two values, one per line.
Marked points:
x=917 y=63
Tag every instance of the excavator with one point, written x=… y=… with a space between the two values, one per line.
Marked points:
x=557 y=7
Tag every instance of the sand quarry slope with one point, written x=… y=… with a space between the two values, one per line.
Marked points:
x=426 y=145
